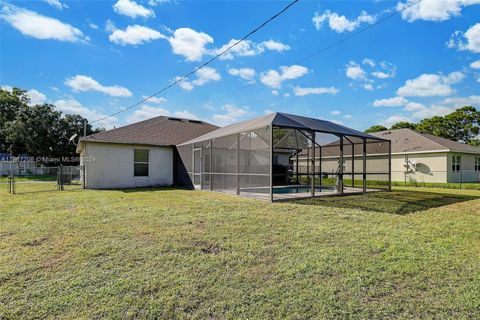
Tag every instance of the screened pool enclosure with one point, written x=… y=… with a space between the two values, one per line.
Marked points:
x=282 y=156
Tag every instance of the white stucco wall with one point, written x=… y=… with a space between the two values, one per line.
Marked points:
x=110 y=166
x=430 y=167
x=467 y=166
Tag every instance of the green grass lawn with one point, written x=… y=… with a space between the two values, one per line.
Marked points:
x=165 y=253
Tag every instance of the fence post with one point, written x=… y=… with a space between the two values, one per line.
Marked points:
x=60 y=178
x=83 y=176
x=11 y=184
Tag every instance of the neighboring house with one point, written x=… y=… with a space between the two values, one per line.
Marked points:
x=137 y=155
x=426 y=158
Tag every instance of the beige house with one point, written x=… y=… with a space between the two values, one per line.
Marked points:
x=426 y=158
x=415 y=157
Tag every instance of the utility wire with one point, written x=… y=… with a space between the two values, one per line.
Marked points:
x=334 y=44
x=357 y=32
x=203 y=64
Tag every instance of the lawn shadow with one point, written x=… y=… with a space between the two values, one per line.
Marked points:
x=397 y=202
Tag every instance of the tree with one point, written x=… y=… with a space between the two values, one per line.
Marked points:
x=375 y=128
x=403 y=125
x=10 y=103
x=435 y=126
x=39 y=130
x=460 y=125
x=463 y=124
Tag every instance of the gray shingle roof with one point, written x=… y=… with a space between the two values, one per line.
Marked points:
x=283 y=120
x=421 y=142
x=158 y=131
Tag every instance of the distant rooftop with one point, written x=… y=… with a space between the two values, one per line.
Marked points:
x=158 y=131
x=407 y=140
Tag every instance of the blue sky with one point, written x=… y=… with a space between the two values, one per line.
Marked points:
x=97 y=57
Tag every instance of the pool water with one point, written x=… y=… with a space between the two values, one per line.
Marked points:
x=299 y=189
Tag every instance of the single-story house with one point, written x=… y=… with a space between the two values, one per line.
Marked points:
x=423 y=157
x=253 y=157
x=415 y=157
x=137 y=155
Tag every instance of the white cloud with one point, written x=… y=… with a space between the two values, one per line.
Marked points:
x=414 y=106
x=41 y=27
x=232 y=114
x=132 y=9
x=185 y=114
x=134 y=35
x=274 y=79
x=432 y=111
x=247 y=74
x=391 y=102
x=433 y=10
x=275 y=92
x=466 y=41
x=154 y=3
x=368 y=87
x=394 y=119
x=369 y=62
x=354 y=71
x=72 y=106
x=57 y=4
x=86 y=83
x=249 y=48
x=347 y=116
x=464 y=101
x=243 y=49
x=204 y=75
x=382 y=74
x=475 y=64
x=335 y=113
x=340 y=23
x=36 y=97
x=157 y=100
x=93 y=26
x=190 y=43
x=275 y=45
x=110 y=26
x=146 y=112
x=381 y=70
x=427 y=85
x=298 y=91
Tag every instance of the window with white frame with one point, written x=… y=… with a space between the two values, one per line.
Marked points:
x=140 y=162
x=456 y=163
x=477 y=163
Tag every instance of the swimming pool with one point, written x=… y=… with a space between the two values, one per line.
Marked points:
x=300 y=189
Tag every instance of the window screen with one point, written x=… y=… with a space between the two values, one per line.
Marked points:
x=477 y=163
x=456 y=163
x=140 y=162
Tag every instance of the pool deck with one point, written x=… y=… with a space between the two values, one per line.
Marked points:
x=305 y=195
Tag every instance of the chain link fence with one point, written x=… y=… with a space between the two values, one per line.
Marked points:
x=461 y=179
x=42 y=180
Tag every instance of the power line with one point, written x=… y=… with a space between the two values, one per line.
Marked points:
x=334 y=44
x=203 y=64
x=357 y=32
